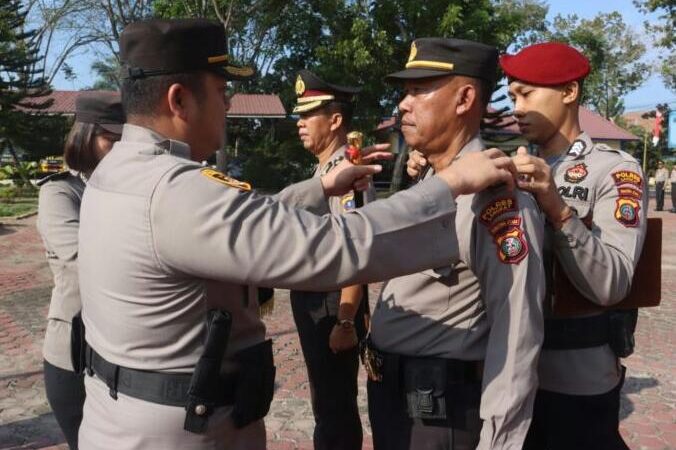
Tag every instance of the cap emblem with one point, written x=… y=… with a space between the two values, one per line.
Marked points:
x=414 y=52
x=300 y=86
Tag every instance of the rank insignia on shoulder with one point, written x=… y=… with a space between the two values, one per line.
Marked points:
x=628 y=177
x=496 y=208
x=226 y=180
x=348 y=203
x=627 y=211
x=511 y=244
x=577 y=148
x=576 y=173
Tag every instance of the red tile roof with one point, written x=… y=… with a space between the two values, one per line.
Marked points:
x=243 y=105
x=595 y=125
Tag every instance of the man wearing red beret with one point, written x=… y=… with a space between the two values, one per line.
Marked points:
x=593 y=197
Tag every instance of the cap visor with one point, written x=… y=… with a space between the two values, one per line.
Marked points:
x=413 y=74
x=115 y=128
x=307 y=107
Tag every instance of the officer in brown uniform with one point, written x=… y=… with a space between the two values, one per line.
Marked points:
x=98 y=124
x=330 y=323
x=595 y=200
x=453 y=353
x=156 y=226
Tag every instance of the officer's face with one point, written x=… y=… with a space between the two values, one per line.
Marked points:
x=428 y=113
x=208 y=117
x=314 y=130
x=540 y=111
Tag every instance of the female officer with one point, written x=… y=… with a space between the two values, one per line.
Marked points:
x=98 y=124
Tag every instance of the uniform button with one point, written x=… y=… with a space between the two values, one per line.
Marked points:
x=200 y=410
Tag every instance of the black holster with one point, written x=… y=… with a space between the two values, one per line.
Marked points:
x=78 y=345
x=255 y=383
x=425 y=383
x=206 y=377
x=622 y=325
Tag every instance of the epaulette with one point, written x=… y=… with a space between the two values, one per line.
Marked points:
x=53 y=177
x=621 y=153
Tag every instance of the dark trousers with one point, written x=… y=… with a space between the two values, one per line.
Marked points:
x=66 y=395
x=580 y=422
x=333 y=377
x=659 y=195
x=673 y=195
x=393 y=429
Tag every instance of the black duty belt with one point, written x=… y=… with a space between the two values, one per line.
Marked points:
x=575 y=333
x=164 y=388
x=391 y=365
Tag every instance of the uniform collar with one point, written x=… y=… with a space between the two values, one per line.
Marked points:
x=138 y=134
x=336 y=157
x=580 y=147
x=473 y=145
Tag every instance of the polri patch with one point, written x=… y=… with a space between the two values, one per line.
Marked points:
x=627 y=211
x=497 y=208
x=628 y=177
x=512 y=246
x=576 y=173
x=226 y=180
x=577 y=148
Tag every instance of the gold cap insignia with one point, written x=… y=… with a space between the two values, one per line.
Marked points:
x=300 y=86
x=226 y=180
x=414 y=52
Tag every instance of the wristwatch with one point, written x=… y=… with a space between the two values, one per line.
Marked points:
x=346 y=323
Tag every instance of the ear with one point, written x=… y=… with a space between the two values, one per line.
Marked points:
x=336 y=121
x=466 y=97
x=571 y=92
x=177 y=99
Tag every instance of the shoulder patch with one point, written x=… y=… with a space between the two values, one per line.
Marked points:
x=630 y=192
x=511 y=244
x=576 y=173
x=628 y=177
x=627 y=211
x=496 y=208
x=226 y=180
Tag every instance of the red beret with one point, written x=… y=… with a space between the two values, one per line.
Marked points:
x=548 y=64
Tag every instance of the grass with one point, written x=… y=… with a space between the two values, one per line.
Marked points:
x=18 y=206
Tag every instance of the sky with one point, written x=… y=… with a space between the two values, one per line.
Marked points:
x=650 y=93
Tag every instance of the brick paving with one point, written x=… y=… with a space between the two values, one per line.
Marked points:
x=648 y=401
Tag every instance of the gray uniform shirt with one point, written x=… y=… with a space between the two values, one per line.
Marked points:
x=58 y=222
x=661 y=175
x=487 y=306
x=155 y=225
x=606 y=188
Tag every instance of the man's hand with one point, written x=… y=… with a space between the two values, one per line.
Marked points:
x=346 y=176
x=415 y=164
x=342 y=339
x=476 y=171
x=535 y=176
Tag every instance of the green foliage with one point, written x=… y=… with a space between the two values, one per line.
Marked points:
x=20 y=173
x=664 y=35
x=614 y=52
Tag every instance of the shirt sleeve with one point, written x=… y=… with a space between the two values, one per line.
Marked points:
x=308 y=195
x=207 y=229
x=600 y=261
x=508 y=248
x=59 y=221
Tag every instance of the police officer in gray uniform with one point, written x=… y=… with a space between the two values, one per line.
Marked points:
x=454 y=350
x=330 y=323
x=156 y=226
x=98 y=124
x=595 y=200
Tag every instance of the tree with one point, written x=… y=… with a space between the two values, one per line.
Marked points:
x=22 y=85
x=663 y=34
x=614 y=52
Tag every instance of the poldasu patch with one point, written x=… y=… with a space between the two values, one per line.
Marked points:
x=627 y=211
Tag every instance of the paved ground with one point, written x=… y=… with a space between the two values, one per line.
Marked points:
x=648 y=401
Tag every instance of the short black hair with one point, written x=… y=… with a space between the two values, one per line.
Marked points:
x=141 y=96
x=78 y=152
x=345 y=109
